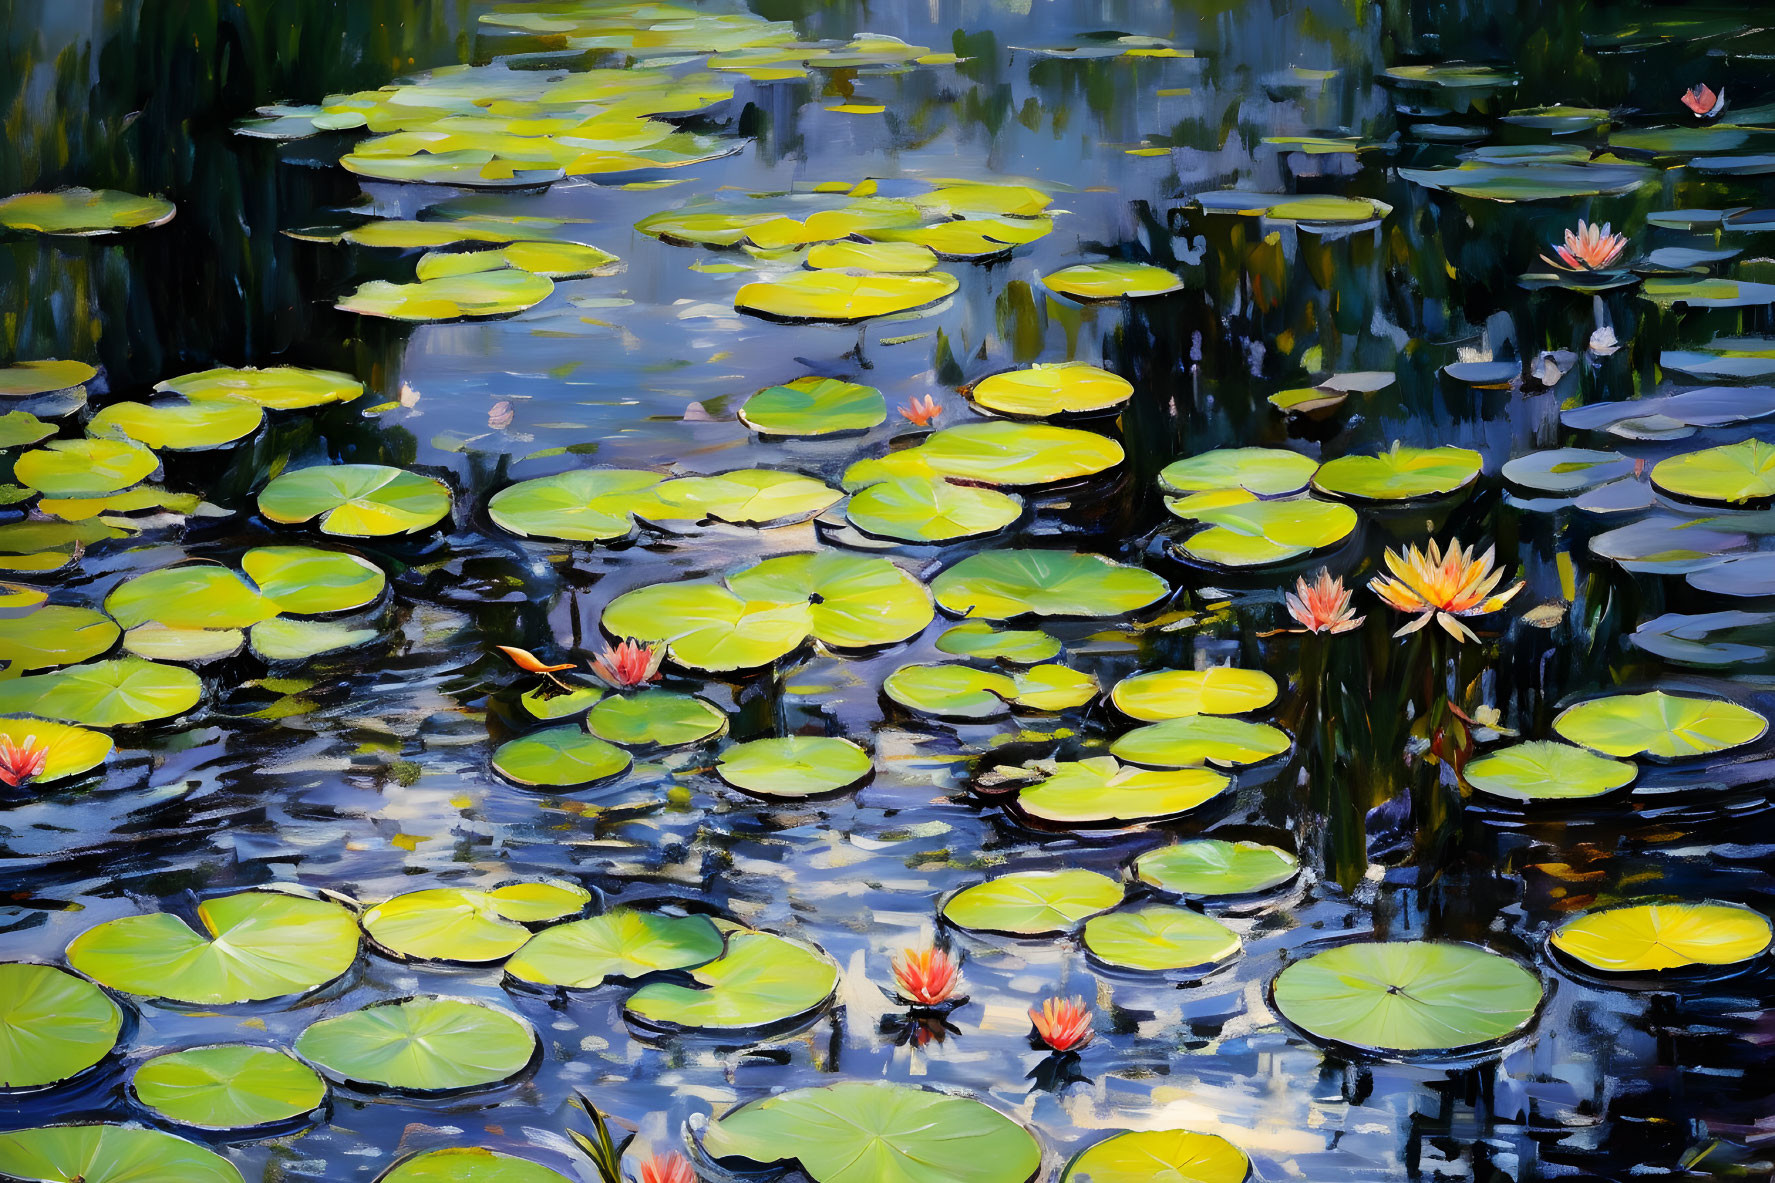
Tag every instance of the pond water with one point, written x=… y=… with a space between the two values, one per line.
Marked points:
x=368 y=772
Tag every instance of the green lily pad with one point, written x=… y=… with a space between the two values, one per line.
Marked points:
x=1714 y=292
x=1143 y=1156
x=976 y=638
x=813 y=406
x=746 y=497
x=53 y=635
x=53 y=1025
x=109 y=1154
x=841 y=297
x=1176 y=694
x=1064 y=388
x=104 y=693
x=1399 y=474
x=555 y=260
x=229 y=1086
x=1519 y=180
x=276 y=388
x=156 y=642
x=469 y=1164
x=1200 y=739
x=656 y=718
x=18 y=428
x=424 y=1045
x=1658 y=937
x=1102 y=791
x=873 y=1132
x=83 y=212
x=172 y=425
x=797 y=766
x=1160 y=939
x=761 y=981
x=193 y=596
x=405 y=234
x=255 y=945
x=1541 y=770
x=47 y=376
x=1209 y=867
x=1659 y=725
x=284 y=639
x=311 y=581
x=694 y=227
x=1112 y=281
x=998 y=453
x=549 y=702
x=1266 y=472
x=84 y=468
x=999 y=584
x=963 y=692
x=356 y=500
x=560 y=757
x=585 y=505
x=920 y=509
x=1732 y=474
x=451 y=297
x=468 y=926
x=1247 y=533
x=71 y=750
x=1408 y=997
x=584 y=954
x=1033 y=903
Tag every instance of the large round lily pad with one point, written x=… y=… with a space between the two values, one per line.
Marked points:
x=1112 y=280
x=559 y=757
x=585 y=505
x=1000 y=452
x=356 y=500
x=83 y=212
x=1241 y=532
x=1200 y=739
x=1176 y=694
x=761 y=981
x=70 y=750
x=840 y=296
x=796 y=766
x=229 y=1086
x=254 y=945
x=276 y=388
x=1160 y=938
x=468 y=926
x=109 y=1154
x=1004 y=583
x=1160 y=1156
x=45 y=376
x=873 y=1132
x=423 y=1045
x=930 y=509
x=1659 y=725
x=1399 y=474
x=84 y=468
x=192 y=596
x=656 y=718
x=1658 y=937
x=1203 y=868
x=177 y=426
x=1103 y=791
x=1408 y=997
x=53 y=1025
x=1732 y=474
x=977 y=638
x=625 y=943
x=1063 y=388
x=747 y=497
x=104 y=693
x=1266 y=472
x=1541 y=770
x=814 y=406
x=54 y=634
x=451 y=297
x=468 y=1164
x=1033 y=903
x=311 y=581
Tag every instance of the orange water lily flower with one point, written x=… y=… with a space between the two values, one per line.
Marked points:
x=1064 y=1024
x=1443 y=585
x=926 y=977
x=20 y=762
x=1589 y=248
x=921 y=411
x=629 y=665
x=1322 y=606
x=667 y=1168
x=1702 y=101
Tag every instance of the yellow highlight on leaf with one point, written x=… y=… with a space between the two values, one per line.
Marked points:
x=1645 y=938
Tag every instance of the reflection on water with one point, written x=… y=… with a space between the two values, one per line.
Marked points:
x=368 y=773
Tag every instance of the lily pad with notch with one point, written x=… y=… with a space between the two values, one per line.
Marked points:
x=760 y=983
x=814 y=406
x=53 y=1026
x=1032 y=903
x=466 y=925
x=1200 y=739
x=1659 y=726
x=796 y=766
x=356 y=500
x=978 y=639
x=560 y=757
x=104 y=1153
x=1663 y=937
x=1541 y=770
x=228 y=1086
x=1161 y=938
x=1000 y=584
x=930 y=509
x=104 y=693
x=1399 y=474
x=998 y=453
x=423 y=1044
x=1210 y=868
x=1158 y=695
x=623 y=944
x=656 y=718
x=1103 y=792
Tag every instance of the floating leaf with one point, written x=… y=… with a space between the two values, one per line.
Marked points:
x=976 y=638
x=172 y=425
x=1101 y=791
x=84 y=468
x=1000 y=584
x=18 y=428
x=83 y=212
x=1146 y=1156
x=997 y=453
x=1732 y=474
x=585 y=505
x=1112 y=280
x=193 y=596
x=920 y=509
x=1266 y=472
x=110 y=1154
x=104 y=693
x=1247 y=533
x=962 y=692
x=798 y=766
x=761 y=981
x=72 y=750
x=838 y=296
x=746 y=497
x=283 y=639
x=814 y=406
x=255 y=945
x=277 y=388
x=53 y=1025
x=1566 y=470
x=49 y=376
x=1662 y=726
x=468 y=1164
x=451 y=297
x=465 y=925
x=891 y=258
x=549 y=703
x=356 y=500
x=1176 y=694
x=311 y=581
x=54 y=634
x=1200 y=739
x=584 y=954
x=1659 y=937
x=1408 y=997
x=229 y=1086
x=1541 y=770
x=1210 y=867
x=656 y=718
x=1064 y=388
x=1399 y=474
x=425 y=1044
x=1531 y=180
x=1033 y=903
x=1160 y=938
x=560 y=757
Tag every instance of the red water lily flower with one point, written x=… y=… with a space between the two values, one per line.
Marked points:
x=921 y=411
x=926 y=977
x=1064 y=1024
x=667 y=1168
x=1702 y=101
x=629 y=665
x=1322 y=606
x=1590 y=248
x=20 y=762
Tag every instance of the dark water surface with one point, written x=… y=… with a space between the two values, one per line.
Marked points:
x=369 y=774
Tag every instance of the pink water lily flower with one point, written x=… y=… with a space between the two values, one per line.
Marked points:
x=1322 y=606
x=667 y=1168
x=926 y=977
x=1590 y=248
x=20 y=762
x=629 y=665
x=1064 y=1024
x=921 y=411
x=1703 y=102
